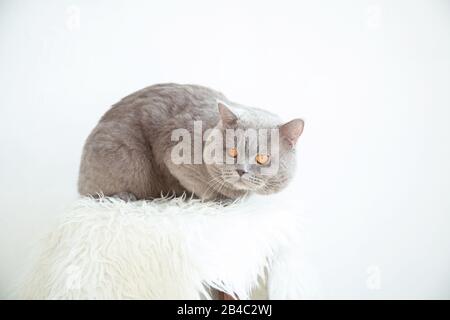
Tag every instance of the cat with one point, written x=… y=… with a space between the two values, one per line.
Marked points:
x=130 y=153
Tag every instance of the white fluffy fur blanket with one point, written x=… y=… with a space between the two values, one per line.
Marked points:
x=169 y=248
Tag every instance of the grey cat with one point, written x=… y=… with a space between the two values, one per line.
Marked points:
x=129 y=154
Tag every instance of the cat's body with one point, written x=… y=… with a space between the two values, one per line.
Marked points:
x=129 y=151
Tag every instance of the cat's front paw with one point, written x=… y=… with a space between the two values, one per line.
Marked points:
x=125 y=196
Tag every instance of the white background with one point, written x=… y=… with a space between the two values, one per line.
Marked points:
x=370 y=78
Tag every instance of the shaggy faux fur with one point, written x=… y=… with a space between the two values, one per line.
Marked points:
x=166 y=249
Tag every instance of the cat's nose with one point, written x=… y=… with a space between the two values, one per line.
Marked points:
x=241 y=172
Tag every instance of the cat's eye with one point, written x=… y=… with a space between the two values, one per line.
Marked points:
x=262 y=159
x=233 y=152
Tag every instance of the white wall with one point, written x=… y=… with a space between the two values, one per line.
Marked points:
x=371 y=79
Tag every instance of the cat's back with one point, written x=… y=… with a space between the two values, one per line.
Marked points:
x=161 y=102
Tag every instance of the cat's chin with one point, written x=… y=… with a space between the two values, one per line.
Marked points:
x=241 y=186
x=236 y=186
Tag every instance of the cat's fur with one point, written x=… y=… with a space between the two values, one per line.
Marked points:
x=128 y=154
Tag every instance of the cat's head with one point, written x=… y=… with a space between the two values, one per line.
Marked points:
x=251 y=151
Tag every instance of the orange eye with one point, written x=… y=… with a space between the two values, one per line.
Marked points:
x=262 y=159
x=233 y=152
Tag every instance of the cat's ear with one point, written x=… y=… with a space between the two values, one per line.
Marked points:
x=291 y=131
x=226 y=115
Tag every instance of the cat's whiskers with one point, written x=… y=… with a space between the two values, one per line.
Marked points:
x=213 y=184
